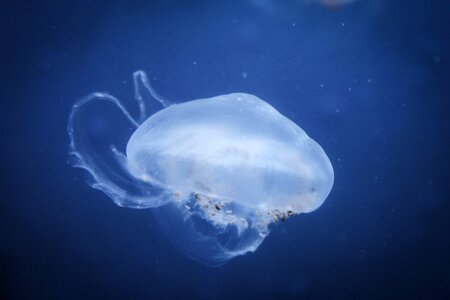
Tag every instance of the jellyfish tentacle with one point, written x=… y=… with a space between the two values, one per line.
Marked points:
x=108 y=170
x=141 y=81
x=99 y=96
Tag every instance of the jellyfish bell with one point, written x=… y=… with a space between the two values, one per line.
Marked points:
x=233 y=148
x=217 y=172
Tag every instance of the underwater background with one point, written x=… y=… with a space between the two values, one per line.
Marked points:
x=368 y=80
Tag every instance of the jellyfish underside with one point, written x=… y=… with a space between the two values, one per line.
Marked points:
x=216 y=172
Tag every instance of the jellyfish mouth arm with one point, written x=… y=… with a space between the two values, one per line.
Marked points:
x=141 y=81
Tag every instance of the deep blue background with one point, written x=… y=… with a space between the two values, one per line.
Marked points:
x=368 y=81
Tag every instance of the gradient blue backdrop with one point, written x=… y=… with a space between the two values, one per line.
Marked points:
x=368 y=81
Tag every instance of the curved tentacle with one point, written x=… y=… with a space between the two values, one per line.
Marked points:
x=108 y=171
x=140 y=80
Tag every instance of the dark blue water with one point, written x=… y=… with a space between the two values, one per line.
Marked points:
x=368 y=81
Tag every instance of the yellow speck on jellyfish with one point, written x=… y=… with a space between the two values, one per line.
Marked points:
x=216 y=172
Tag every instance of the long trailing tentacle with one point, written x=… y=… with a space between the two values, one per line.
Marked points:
x=108 y=170
x=140 y=79
x=93 y=97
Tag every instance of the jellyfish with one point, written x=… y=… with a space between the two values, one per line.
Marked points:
x=216 y=173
